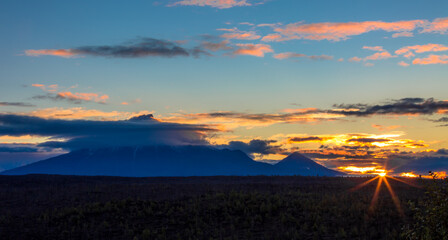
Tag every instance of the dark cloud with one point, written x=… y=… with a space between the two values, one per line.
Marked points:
x=424 y=165
x=368 y=140
x=402 y=106
x=308 y=139
x=6 y=149
x=76 y=134
x=16 y=104
x=254 y=146
x=55 y=97
x=443 y=151
x=216 y=46
x=140 y=48
x=144 y=47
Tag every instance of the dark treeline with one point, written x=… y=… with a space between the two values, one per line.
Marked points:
x=74 y=207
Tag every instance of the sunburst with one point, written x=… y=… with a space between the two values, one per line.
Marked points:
x=383 y=177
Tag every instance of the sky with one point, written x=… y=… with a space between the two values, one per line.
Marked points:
x=359 y=86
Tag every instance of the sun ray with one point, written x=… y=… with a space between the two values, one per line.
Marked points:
x=394 y=197
x=361 y=185
x=408 y=183
x=376 y=194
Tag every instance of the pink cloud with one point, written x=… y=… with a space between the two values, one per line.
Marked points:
x=431 y=59
x=287 y=55
x=439 y=25
x=241 y=35
x=355 y=59
x=95 y=97
x=408 y=51
x=257 y=50
x=212 y=3
x=379 y=56
x=403 y=64
x=342 y=31
x=67 y=53
x=375 y=48
x=402 y=34
x=271 y=37
x=49 y=88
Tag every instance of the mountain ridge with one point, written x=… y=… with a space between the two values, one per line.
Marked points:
x=152 y=161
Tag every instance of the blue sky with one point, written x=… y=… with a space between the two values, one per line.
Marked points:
x=316 y=74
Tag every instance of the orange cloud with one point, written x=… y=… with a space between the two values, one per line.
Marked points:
x=241 y=35
x=67 y=53
x=257 y=50
x=213 y=3
x=84 y=96
x=271 y=37
x=342 y=31
x=49 y=88
x=386 y=128
x=82 y=113
x=431 y=59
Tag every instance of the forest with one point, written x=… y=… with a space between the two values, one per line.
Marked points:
x=256 y=207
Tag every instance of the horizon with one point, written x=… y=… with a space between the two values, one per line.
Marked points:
x=357 y=87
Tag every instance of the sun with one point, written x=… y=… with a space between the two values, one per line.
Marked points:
x=383 y=174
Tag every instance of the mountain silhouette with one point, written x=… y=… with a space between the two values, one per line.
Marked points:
x=298 y=164
x=147 y=161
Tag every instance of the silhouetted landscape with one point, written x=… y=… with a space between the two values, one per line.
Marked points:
x=257 y=207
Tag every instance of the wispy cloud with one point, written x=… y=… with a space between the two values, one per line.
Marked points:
x=56 y=95
x=239 y=35
x=16 y=104
x=287 y=55
x=221 y=4
x=257 y=50
x=439 y=25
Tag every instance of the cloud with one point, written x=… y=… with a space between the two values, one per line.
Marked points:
x=403 y=64
x=404 y=106
x=240 y=35
x=230 y=120
x=409 y=51
x=78 y=113
x=379 y=55
x=143 y=47
x=69 y=96
x=257 y=146
x=355 y=59
x=16 y=104
x=431 y=59
x=272 y=37
x=257 y=50
x=439 y=25
x=221 y=4
x=308 y=139
x=402 y=34
x=219 y=46
x=76 y=134
x=375 y=48
x=337 y=31
x=287 y=55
